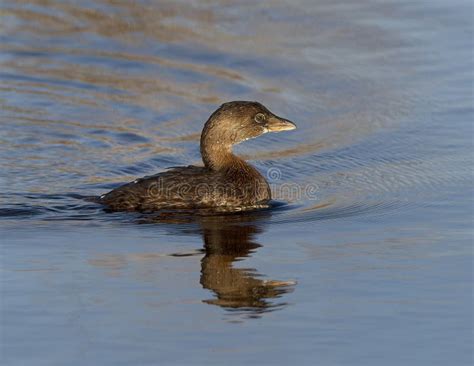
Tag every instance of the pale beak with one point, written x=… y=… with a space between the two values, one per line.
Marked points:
x=277 y=124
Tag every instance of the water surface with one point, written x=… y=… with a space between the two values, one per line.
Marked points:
x=366 y=256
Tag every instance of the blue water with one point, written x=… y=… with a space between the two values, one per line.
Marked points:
x=365 y=258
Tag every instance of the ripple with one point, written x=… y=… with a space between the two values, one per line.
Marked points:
x=328 y=211
x=19 y=212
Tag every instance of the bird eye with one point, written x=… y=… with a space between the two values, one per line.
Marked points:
x=259 y=118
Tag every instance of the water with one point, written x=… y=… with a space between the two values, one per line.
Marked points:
x=366 y=257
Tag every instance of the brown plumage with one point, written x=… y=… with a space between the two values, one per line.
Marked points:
x=225 y=182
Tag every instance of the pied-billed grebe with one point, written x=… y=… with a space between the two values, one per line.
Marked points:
x=225 y=182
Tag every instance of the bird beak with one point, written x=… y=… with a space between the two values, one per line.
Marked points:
x=277 y=124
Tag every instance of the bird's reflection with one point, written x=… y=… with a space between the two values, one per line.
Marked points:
x=227 y=239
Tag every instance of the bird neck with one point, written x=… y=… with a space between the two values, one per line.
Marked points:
x=216 y=150
x=218 y=156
